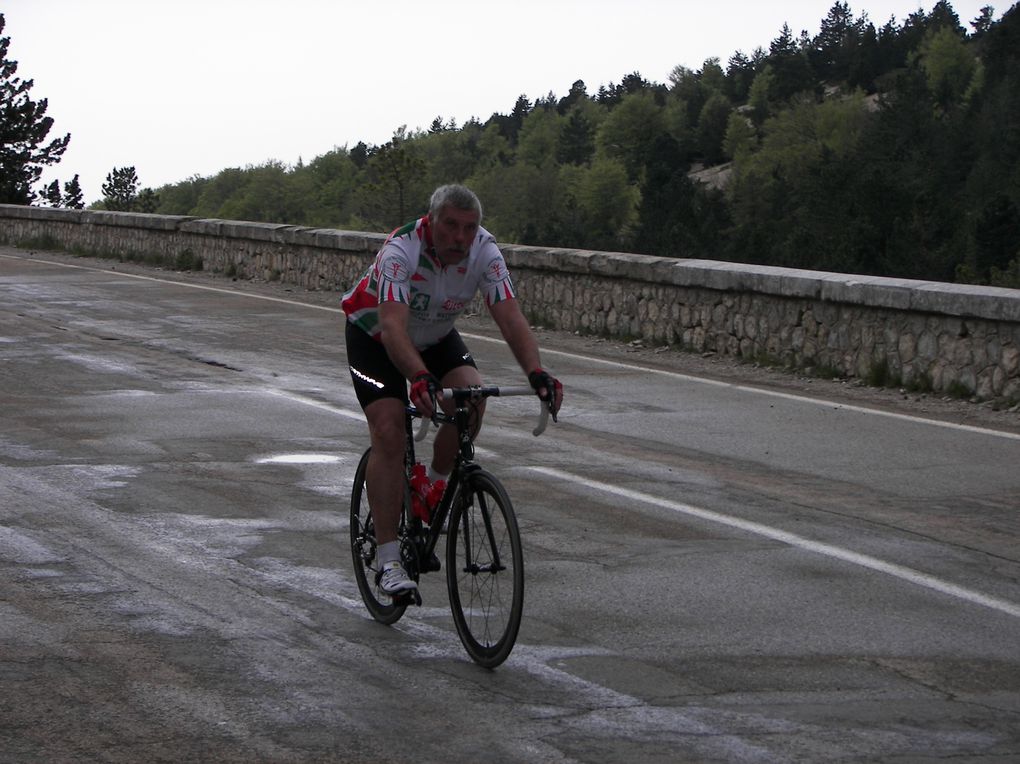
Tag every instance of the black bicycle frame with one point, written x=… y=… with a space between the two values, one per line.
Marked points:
x=463 y=466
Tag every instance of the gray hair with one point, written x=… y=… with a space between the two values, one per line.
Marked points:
x=454 y=195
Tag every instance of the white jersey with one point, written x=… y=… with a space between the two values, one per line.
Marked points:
x=406 y=270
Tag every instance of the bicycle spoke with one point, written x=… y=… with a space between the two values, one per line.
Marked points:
x=485 y=574
x=363 y=549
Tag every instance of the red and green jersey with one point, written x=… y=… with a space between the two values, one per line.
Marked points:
x=406 y=270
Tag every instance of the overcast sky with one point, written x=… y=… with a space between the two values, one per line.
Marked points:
x=191 y=87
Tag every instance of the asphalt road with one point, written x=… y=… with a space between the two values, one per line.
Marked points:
x=719 y=568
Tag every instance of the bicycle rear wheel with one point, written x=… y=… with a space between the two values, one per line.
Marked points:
x=363 y=551
x=485 y=569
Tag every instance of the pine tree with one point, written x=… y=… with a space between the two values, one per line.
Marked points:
x=73 y=199
x=23 y=130
x=52 y=194
x=120 y=189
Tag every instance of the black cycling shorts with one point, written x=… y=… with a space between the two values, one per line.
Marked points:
x=376 y=377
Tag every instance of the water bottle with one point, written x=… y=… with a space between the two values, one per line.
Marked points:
x=419 y=492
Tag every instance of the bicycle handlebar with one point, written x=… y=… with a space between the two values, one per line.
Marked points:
x=486 y=391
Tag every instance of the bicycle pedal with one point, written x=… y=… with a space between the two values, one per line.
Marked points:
x=432 y=564
x=410 y=597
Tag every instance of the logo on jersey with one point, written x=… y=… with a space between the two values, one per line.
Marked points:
x=420 y=301
x=452 y=304
x=496 y=272
x=392 y=268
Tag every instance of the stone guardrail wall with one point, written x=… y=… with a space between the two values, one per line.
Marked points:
x=926 y=336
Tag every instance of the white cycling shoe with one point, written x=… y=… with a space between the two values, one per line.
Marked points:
x=394 y=581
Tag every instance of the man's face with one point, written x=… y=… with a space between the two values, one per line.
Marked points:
x=453 y=233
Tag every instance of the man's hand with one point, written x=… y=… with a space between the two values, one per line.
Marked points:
x=424 y=389
x=548 y=388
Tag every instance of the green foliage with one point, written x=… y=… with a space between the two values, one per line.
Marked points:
x=949 y=67
x=120 y=189
x=73 y=199
x=1009 y=276
x=52 y=194
x=395 y=188
x=24 y=128
x=877 y=150
x=880 y=375
x=712 y=124
x=630 y=130
x=741 y=139
x=186 y=260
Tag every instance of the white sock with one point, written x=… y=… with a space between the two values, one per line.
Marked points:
x=388 y=552
x=434 y=476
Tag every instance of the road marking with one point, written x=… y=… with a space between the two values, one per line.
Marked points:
x=855 y=558
x=771 y=393
x=866 y=561
x=306 y=401
x=578 y=357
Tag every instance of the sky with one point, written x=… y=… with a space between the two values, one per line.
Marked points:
x=191 y=87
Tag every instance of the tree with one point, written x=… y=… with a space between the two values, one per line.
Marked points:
x=947 y=64
x=759 y=98
x=609 y=205
x=267 y=195
x=677 y=217
x=52 y=194
x=146 y=201
x=740 y=73
x=577 y=139
x=630 y=130
x=712 y=124
x=790 y=67
x=539 y=137
x=394 y=168
x=578 y=93
x=983 y=22
x=24 y=127
x=510 y=126
x=834 y=45
x=120 y=189
x=741 y=138
x=73 y=199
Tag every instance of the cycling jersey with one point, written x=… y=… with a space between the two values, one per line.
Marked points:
x=407 y=271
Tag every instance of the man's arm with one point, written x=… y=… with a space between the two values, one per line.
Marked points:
x=517 y=333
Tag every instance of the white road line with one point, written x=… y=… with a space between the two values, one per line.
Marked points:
x=349 y=413
x=589 y=359
x=771 y=393
x=866 y=561
x=221 y=290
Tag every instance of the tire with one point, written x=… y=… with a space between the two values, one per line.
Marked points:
x=487 y=602
x=363 y=547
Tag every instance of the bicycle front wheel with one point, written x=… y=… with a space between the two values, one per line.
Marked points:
x=363 y=551
x=485 y=569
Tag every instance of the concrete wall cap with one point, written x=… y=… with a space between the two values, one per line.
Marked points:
x=205 y=226
x=134 y=219
x=26 y=212
x=245 y=229
x=967 y=300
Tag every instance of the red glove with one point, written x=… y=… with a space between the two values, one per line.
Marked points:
x=424 y=389
x=548 y=388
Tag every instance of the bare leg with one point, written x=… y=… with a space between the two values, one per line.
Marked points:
x=384 y=477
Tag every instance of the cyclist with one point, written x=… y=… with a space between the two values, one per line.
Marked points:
x=400 y=328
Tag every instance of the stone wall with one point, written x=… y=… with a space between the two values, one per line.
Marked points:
x=924 y=335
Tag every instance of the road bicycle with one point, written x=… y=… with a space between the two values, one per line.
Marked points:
x=484 y=560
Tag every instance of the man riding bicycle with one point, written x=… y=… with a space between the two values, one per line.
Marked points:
x=400 y=327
